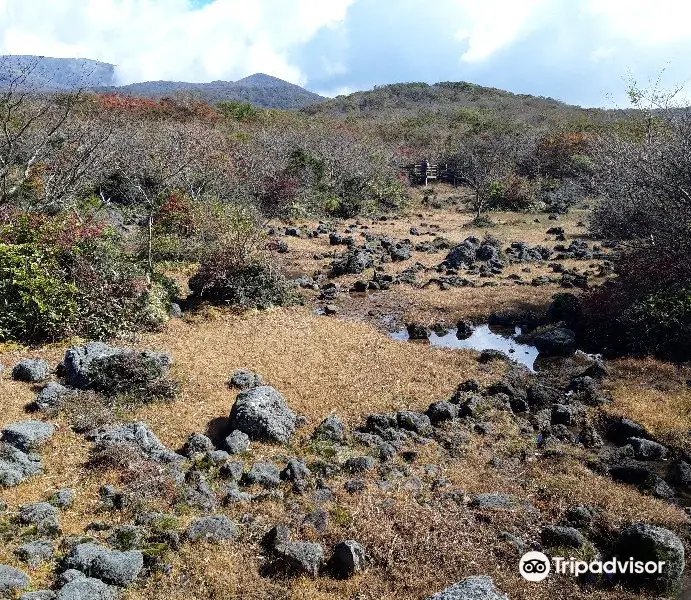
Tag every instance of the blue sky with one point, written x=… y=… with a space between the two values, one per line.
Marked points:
x=579 y=51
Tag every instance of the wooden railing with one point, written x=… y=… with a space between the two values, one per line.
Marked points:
x=434 y=173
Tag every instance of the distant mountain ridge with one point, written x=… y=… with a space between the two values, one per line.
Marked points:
x=56 y=74
x=60 y=74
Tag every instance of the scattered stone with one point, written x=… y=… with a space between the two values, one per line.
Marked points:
x=38 y=595
x=245 y=379
x=174 y=311
x=36 y=553
x=301 y=557
x=479 y=587
x=417 y=331
x=649 y=543
x=559 y=341
x=647 y=449
x=558 y=536
x=232 y=470
x=197 y=443
x=27 y=435
x=50 y=396
x=137 y=435
x=237 y=442
x=464 y=329
x=413 y=421
x=214 y=528
x=110 y=566
x=317 y=519
x=264 y=474
x=621 y=430
x=262 y=413
x=681 y=475
x=12 y=580
x=79 y=361
x=86 y=588
x=359 y=464
x=353 y=486
x=31 y=370
x=348 y=559
x=41 y=514
x=579 y=517
x=443 y=410
x=331 y=429
x=295 y=470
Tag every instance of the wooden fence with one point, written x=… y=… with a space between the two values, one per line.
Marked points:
x=434 y=173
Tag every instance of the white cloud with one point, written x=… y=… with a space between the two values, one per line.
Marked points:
x=643 y=22
x=490 y=25
x=171 y=39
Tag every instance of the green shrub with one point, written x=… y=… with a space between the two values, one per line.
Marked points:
x=137 y=375
x=252 y=283
x=36 y=302
x=61 y=276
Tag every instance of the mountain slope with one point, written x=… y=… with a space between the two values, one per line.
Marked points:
x=261 y=90
x=54 y=74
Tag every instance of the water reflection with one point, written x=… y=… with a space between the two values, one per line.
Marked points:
x=484 y=338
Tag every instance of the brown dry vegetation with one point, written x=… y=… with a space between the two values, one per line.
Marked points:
x=419 y=541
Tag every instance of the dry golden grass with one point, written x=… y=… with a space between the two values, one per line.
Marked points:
x=420 y=541
x=656 y=394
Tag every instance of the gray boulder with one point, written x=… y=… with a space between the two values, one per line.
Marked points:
x=620 y=430
x=646 y=543
x=118 y=568
x=558 y=536
x=480 y=587
x=556 y=342
x=348 y=559
x=36 y=553
x=359 y=464
x=63 y=498
x=27 y=435
x=31 y=370
x=331 y=429
x=301 y=557
x=263 y=414
x=138 y=435
x=38 y=595
x=41 y=514
x=443 y=410
x=12 y=580
x=264 y=474
x=647 y=449
x=198 y=443
x=237 y=442
x=295 y=470
x=245 y=379
x=50 y=396
x=86 y=588
x=215 y=528
x=16 y=466
x=110 y=566
x=80 y=362
x=681 y=475
x=413 y=421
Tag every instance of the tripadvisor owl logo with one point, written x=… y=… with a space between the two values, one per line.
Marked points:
x=534 y=566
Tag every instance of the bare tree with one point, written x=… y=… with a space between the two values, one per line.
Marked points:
x=48 y=142
x=481 y=160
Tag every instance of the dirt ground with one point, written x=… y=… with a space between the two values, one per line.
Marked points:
x=419 y=541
